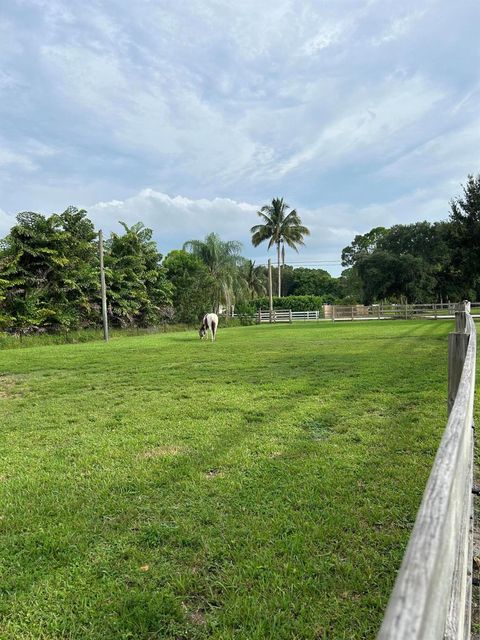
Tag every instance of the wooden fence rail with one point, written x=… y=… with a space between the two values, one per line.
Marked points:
x=431 y=599
x=361 y=312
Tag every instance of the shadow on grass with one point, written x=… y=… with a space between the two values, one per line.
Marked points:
x=299 y=532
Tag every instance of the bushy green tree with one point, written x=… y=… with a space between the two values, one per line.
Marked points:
x=50 y=268
x=412 y=262
x=295 y=303
x=314 y=282
x=79 y=277
x=138 y=291
x=362 y=245
x=465 y=237
x=223 y=261
x=193 y=285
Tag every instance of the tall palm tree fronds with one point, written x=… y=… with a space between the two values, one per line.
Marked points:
x=222 y=259
x=255 y=280
x=280 y=228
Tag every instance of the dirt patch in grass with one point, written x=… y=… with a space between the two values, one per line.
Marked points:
x=214 y=473
x=319 y=428
x=197 y=617
x=9 y=387
x=161 y=452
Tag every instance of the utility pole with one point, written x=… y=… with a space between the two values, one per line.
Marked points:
x=279 y=271
x=270 y=294
x=103 y=287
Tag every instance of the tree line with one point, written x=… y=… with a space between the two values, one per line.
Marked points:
x=49 y=269
x=49 y=276
x=420 y=262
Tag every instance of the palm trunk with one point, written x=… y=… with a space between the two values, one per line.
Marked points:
x=279 y=275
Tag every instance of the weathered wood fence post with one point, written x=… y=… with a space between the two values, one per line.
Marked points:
x=431 y=599
x=270 y=294
x=103 y=287
x=457 y=351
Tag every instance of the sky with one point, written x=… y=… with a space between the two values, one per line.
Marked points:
x=189 y=115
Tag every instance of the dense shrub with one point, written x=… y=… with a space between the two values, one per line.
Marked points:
x=295 y=303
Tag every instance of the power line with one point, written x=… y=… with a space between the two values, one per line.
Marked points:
x=306 y=262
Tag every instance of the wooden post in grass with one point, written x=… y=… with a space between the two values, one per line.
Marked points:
x=460 y=321
x=103 y=287
x=457 y=351
x=270 y=294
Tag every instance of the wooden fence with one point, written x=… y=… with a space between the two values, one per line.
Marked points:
x=338 y=313
x=287 y=315
x=431 y=599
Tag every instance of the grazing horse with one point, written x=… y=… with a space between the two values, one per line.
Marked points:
x=210 y=321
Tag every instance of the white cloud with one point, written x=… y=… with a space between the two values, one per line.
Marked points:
x=399 y=27
x=241 y=100
x=454 y=153
x=373 y=122
x=328 y=34
x=178 y=219
x=17 y=160
x=6 y=223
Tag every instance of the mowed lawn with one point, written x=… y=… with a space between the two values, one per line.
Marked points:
x=262 y=487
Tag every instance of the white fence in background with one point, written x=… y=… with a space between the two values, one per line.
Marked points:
x=287 y=315
x=337 y=313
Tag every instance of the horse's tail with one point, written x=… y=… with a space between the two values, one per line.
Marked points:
x=213 y=329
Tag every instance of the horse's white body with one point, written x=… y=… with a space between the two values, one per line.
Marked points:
x=209 y=323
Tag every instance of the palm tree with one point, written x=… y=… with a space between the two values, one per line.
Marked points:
x=279 y=228
x=254 y=277
x=222 y=259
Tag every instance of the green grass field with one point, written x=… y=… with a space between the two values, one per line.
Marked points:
x=262 y=487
